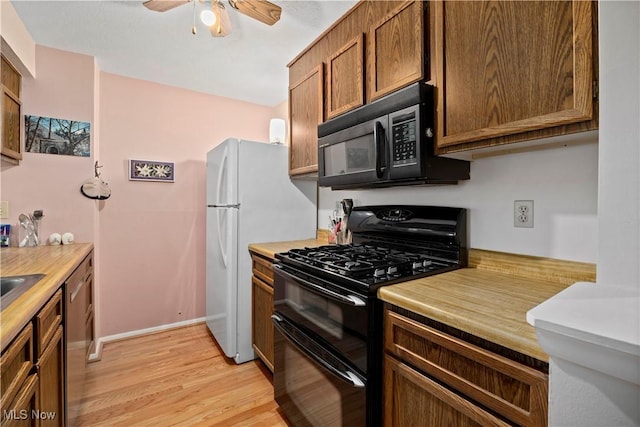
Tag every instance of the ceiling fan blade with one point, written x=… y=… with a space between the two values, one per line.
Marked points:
x=163 y=5
x=262 y=10
x=222 y=25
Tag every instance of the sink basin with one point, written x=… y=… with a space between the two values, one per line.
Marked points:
x=11 y=287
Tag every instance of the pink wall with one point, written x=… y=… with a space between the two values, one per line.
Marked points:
x=149 y=236
x=63 y=89
x=152 y=234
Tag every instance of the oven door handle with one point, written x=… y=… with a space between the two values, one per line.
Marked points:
x=345 y=375
x=348 y=299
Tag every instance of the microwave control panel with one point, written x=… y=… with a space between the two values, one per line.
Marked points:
x=404 y=142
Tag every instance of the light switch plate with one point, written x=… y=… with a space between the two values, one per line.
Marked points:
x=4 y=210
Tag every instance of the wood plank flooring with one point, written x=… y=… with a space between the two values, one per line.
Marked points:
x=176 y=378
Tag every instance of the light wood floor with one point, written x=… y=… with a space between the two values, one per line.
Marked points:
x=176 y=378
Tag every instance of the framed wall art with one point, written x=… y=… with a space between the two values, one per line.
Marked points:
x=149 y=170
x=57 y=136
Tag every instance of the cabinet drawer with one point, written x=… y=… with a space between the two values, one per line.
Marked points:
x=262 y=268
x=412 y=399
x=15 y=364
x=47 y=322
x=24 y=407
x=511 y=389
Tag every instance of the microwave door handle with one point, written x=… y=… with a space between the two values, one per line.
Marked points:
x=345 y=299
x=345 y=375
x=379 y=138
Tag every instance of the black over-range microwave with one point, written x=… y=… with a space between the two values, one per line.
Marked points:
x=385 y=143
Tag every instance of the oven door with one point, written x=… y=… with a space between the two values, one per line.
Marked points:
x=333 y=315
x=312 y=386
x=354 y=156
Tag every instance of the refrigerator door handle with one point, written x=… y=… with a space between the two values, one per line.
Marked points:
x=223 y=166
x=223 y=252
x=235 y=206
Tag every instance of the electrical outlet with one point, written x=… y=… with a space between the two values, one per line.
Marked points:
x=4 y=210
x=523 y=213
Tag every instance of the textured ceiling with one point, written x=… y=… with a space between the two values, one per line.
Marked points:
x=128 y=39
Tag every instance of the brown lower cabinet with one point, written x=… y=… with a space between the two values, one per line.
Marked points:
x=262 y=308
x=33 y=371
x=50 y=362
x=432 y=378
x=24 y=407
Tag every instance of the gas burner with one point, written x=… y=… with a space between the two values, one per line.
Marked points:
x=431 y=242
x=369 y=263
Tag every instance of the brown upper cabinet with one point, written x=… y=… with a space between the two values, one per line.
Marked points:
x=376 y=48
x=395 y=50
x=10 y=86
x=504 y=71
x=305 y=113
x=510 y=71
x=345 y=78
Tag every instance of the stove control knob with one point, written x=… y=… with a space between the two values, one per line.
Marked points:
x=426 y=263
x=379 y=272
x=392 y=270
x=416 y=265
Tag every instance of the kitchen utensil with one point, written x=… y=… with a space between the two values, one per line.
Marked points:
x=347 y=206
x=31 y=237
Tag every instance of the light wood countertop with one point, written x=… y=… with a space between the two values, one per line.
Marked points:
x=488 y=304
x=56 y=262
x=489 y=301
x=269 y=250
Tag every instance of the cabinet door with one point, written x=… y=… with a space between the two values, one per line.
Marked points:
x=24 y=409
x=15 y=365
x=504 y=69
x=87 y=266
x=305 y=113
x=51 y=375
x=10 y=125
x=395 y=50
x=262 y=296
x=345 y=78
x=10 y=138
x=412 y=399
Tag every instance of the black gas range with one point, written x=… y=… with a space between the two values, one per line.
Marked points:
x=390 y=245
x=328 y=321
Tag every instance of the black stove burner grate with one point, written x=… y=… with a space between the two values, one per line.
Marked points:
x=369 y=263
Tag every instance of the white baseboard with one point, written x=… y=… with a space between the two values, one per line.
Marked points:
x=97 y=354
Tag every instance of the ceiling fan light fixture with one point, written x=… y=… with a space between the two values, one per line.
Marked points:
x=207 y=17
x=222 y=25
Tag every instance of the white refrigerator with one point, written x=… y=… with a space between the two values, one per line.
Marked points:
x=250 y=199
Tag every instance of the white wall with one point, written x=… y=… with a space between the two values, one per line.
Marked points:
x=619 y=186
x=562 y=183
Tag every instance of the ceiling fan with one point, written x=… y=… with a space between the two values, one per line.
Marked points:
x=217 y=18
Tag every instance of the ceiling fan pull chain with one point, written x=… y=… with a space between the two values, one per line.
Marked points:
x=193 y=29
